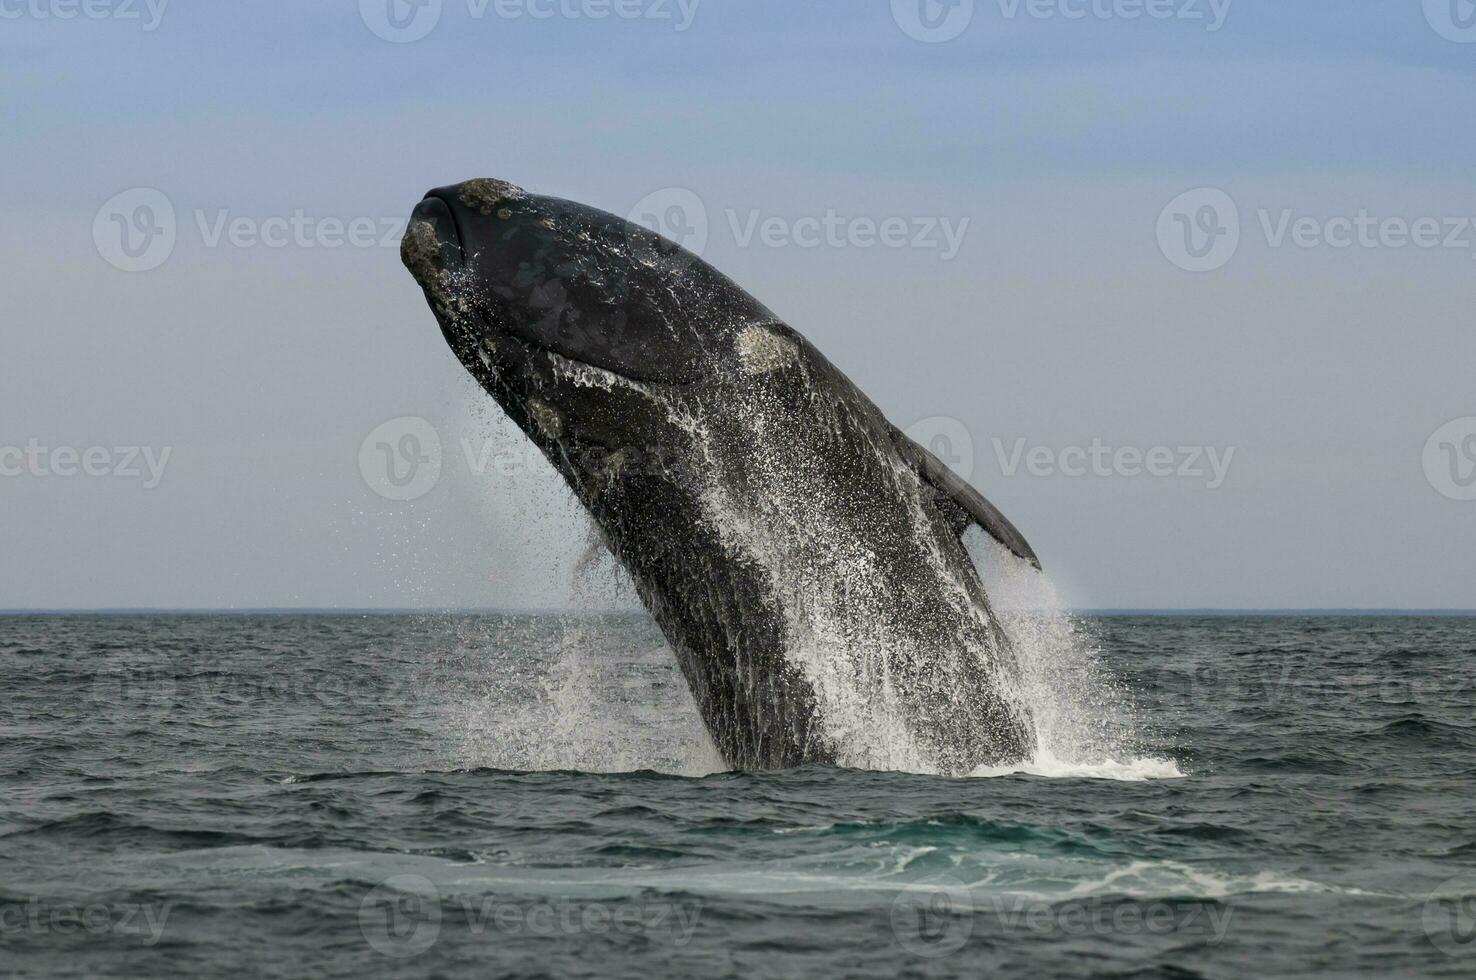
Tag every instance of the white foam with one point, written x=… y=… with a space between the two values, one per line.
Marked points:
x=1086 y=724
x=841 y=876
x=1047 y=765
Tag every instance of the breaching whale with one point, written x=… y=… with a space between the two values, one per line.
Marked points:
x=803 y=557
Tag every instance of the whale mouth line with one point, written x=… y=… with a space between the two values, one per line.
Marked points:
x=451 y=214
x=573 y=365
x=563 y=363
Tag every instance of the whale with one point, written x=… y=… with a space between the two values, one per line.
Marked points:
x=804 y=558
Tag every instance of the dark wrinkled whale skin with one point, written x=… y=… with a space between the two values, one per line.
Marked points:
x=793 y=546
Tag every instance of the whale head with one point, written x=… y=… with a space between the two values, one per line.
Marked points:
x=530 y=274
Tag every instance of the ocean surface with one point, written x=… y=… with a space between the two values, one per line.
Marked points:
x=476 y=796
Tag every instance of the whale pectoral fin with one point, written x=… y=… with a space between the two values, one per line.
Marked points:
x=963 y=503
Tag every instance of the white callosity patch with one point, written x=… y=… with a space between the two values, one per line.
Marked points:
x=487 y=194
x=761 y=350
x=451 y=292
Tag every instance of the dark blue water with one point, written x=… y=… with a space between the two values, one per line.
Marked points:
x=340 y=796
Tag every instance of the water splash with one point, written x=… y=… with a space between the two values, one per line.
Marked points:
x=1085 y=719
x=577 y=692
x=597 y=703
x=908 y=669
x=589 y=688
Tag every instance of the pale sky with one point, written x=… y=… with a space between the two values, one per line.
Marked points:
x=1302 y=387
